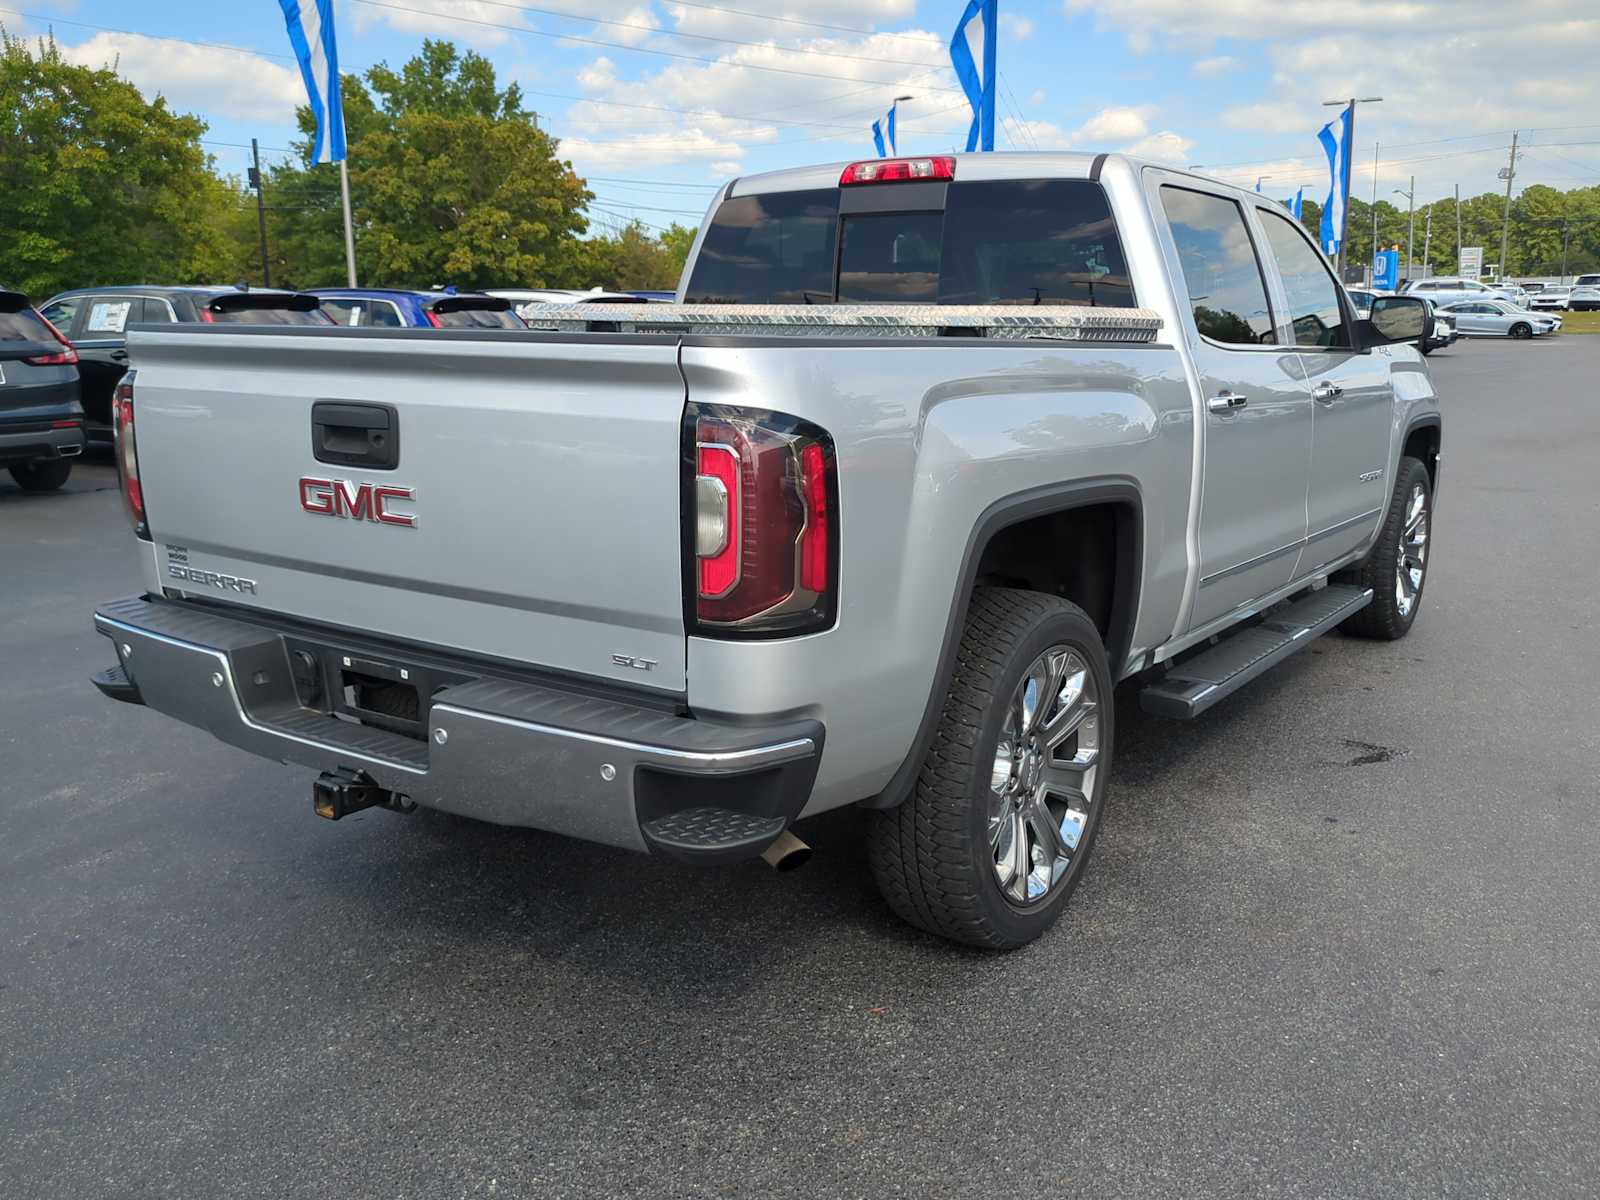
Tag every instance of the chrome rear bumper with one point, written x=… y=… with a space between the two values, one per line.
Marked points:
x=507 y=752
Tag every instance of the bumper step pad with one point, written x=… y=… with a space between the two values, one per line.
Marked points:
x=1195 y=685
x=711 y=835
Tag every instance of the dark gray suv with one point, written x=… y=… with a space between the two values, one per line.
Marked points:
x=41 y=421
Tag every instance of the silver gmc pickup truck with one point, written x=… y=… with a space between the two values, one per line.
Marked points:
x=929 y=457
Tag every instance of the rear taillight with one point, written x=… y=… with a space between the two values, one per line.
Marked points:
x=762 y=531
x=898 y=170
x=66 y=358
x=128 y=455
x=433 y=318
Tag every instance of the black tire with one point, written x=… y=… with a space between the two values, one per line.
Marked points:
x=1384 y=618
x=1522 y=330
x=1426 y=350
x=931 y=856
x=45 y=475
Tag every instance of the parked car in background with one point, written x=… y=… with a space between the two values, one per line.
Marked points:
x=96 y=320
x=523 y=297
x=1362 y=300
x=1585 y=294
x=1499 y=318
x=41 y=421
x=1533 y=289
x=1515 y=293
x=1452 y=290
x=1550 y=298
x=395 y=308
x=1444 y=333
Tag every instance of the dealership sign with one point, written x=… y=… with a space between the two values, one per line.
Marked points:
x=1471 y=262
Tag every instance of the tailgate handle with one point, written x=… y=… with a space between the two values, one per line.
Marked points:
x=356 y=435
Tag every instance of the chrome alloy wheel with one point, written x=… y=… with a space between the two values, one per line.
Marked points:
x=1042 y=786
x=1411 y=557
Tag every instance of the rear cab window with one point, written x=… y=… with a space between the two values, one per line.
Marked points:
x=1017 y=242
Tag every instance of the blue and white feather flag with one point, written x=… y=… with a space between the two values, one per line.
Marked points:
x=1337 y=147
x=883 y=133
x=311 y=35
x=972 y=53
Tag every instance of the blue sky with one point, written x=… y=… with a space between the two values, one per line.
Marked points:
x=657 y=101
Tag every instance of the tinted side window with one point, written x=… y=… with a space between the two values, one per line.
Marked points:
x=151 y=311
x=383 y=314
x=772 y=249
x=343 y=312
x=61 y=313
x=1226 y=291
x=1314 y=308
x=268 y=316
x=1032 y=241
x=108 y=316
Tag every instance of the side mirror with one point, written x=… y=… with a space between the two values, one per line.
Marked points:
x=1397 y=319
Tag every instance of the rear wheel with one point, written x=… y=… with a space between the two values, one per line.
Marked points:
x=998 y=828
x=1397 y=566
x=43 y=476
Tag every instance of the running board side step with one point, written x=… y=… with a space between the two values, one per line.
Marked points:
x=1194 y=686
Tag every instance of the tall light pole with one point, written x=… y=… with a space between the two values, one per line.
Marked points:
x=1374 y=254
x=1427 y=239
x=1259 y=178
x=1458 y=227
x=1344 y=184
x=1411 y=221
x=1509 y=174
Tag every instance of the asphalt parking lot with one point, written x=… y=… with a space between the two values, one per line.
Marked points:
x=1341 y=937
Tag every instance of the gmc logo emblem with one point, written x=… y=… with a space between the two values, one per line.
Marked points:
x=355 y=501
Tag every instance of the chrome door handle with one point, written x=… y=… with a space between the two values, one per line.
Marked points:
x=1225 y=402
x=1326 y=393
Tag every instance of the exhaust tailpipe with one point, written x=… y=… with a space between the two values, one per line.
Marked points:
x=786 y=853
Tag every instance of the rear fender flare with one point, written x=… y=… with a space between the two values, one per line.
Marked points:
x=1118 y=490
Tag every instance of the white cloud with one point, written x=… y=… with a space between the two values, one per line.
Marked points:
x=1018 y=29
x=1273 y=117
x=1166 y=146
x=1037 y=97
x=1219 y=65
x=1112 y=124
x=193 y=78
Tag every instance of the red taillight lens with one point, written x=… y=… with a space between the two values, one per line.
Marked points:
x=898 y=170
x=209 y=317
x=68 y=356
x=433 y=318
x=763 y=541
x=128 y=455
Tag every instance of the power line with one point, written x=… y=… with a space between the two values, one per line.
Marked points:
x=51 y=19
x=567 y=37
x=755 y=16
x=699 y=37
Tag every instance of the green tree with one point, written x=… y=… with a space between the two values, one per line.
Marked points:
x=451 y=181
x=633 y=260
x=98 y=185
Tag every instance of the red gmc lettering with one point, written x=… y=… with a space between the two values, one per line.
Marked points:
x=355 y=501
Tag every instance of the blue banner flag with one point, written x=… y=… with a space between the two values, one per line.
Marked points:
x=311 y=35
x=1298 y=207
x=883 y=134
x=972 y=53
x=1337 y=148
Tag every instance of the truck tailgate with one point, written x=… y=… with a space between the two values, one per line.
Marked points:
x=544 y=481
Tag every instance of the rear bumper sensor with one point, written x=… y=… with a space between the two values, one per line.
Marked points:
x=1196 y=684
x=499 y=751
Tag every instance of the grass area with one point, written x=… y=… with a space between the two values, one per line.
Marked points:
x=1584 y=322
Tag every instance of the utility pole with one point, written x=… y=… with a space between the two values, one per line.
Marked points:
x=1411 y=221
x=261 y=210
x=1458 y=227
x=1344 y=183
x=1566 y=240
x=1427 y=240
x=1509 y=175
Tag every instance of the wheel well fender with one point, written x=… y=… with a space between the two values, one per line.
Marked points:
x=1103 y=518
x=1422 y=443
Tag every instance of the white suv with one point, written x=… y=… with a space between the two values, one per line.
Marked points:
x=1454 y=290
x=1585 y=294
